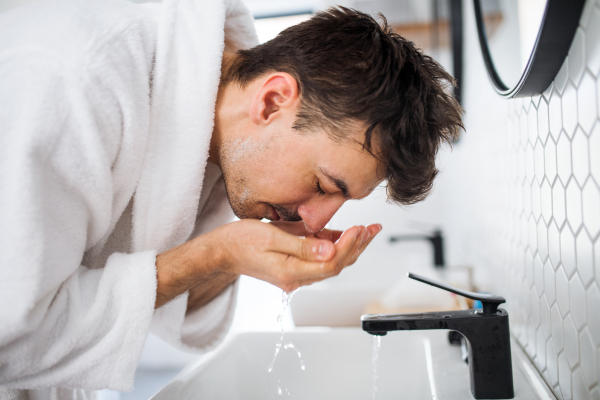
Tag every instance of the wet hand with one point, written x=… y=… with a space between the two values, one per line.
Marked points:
x=299 y=229
x=276 y=254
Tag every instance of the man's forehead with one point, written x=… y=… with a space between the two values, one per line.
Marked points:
x=354 y=136
x=367 y=157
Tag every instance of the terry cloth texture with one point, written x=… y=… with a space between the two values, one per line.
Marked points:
x=106 y=114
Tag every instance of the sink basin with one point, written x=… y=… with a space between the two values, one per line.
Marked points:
x=412 y=365
x=338 y=365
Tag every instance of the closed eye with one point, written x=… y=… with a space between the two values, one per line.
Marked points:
x=319 y=190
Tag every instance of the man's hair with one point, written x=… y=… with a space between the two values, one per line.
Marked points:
x=351 y=68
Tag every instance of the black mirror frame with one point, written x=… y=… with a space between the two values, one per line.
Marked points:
x=558 y=27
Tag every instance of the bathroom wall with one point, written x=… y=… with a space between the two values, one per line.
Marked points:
x=522 y=204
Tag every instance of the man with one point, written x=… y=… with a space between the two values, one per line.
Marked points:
x=124 y=131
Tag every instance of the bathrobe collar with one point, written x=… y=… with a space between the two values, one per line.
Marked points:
x=192 y=35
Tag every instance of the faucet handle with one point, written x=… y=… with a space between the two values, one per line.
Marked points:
x=490 y=302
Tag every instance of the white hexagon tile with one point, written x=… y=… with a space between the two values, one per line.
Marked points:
x=533 y=229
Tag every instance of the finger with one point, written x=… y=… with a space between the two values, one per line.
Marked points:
x=306 y=273
x=375 y=228
x=372 y=231
x=294 y=228
x=309 y=249
x=361 y=249
x=329 y=234
x=356 y=250
x=347 y=241
x=345 y=245
x=352 y=254
x=289 y=271
x=299 y=229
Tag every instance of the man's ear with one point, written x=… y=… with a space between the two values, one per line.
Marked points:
x=278 y=93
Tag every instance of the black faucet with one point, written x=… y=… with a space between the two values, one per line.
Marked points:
x=485 y=330
x=436 y=240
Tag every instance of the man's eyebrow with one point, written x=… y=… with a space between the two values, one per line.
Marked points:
x=339 y=182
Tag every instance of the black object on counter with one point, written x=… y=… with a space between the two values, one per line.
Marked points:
x=436 y=240
x=485 y=330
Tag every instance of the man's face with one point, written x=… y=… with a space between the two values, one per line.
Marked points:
x=284 y=174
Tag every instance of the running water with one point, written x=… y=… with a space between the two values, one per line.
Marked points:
x=280 y=392
x=376 y=347
x=286 y=298
x=291 y=346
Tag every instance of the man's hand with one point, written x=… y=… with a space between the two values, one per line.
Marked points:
x=269 y=253
x=272 y=252
x=299 y=229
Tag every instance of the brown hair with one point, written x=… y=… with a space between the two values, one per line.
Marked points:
x=349 y=67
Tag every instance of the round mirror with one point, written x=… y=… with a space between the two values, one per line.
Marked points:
x=524 y=42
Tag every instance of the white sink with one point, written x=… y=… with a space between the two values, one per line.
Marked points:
x=412 y=365
x=338 y=366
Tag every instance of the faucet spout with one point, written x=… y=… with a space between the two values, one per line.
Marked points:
x=487 y=338
x=486 y=333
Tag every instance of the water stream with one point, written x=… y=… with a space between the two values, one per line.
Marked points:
x=376 y=348
x=291 y=346
x=286 y=298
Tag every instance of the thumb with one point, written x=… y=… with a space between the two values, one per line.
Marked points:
x=309 y=249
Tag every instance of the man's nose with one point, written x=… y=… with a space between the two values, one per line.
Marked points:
x=317 y=212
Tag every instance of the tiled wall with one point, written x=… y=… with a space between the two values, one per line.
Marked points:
x=523 y=194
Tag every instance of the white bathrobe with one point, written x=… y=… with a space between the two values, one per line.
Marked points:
x=106 y=114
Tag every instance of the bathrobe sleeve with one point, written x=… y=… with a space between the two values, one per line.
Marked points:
x=200 y=330
x=62 y=324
